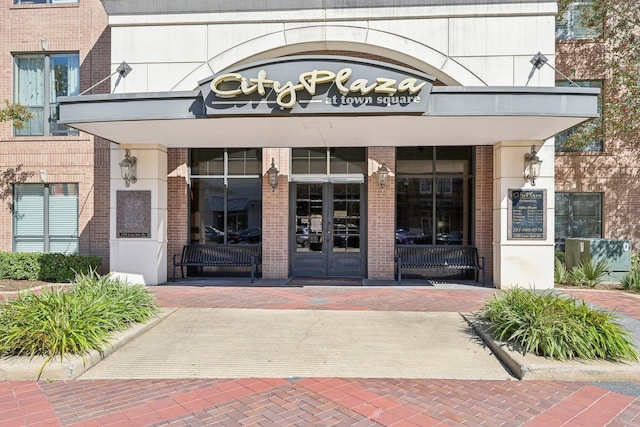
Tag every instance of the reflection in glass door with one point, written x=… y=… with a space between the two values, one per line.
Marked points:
x=328 y=230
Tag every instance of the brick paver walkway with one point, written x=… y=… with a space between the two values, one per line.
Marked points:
x=327 y=401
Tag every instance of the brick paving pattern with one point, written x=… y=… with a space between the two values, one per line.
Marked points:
x=327 y=401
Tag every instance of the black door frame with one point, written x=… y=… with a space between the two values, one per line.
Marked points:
x=326 y=263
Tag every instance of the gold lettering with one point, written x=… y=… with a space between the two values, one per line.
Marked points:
x=262 y=81
x=315 y=77
x=360 y=85
x=385 y=86
x=223 y=78
x=309 y=81
x=288 y=90
x=246 y=89
x=409 y=85
x=341 y=77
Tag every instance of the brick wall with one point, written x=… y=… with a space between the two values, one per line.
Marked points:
x=275 y=216
x=381 y=215
x=177 y=204
x=66 y=27
x=615 y=171
x=483 y=206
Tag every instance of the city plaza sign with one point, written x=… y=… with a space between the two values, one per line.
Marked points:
x=316 y=85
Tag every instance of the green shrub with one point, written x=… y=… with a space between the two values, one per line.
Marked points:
x=49 y=267
x=588 y=273
x=631 y=280
x=560 y=273
x=75 y=321
x=557 y=327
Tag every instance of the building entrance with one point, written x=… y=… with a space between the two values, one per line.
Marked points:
x=327 y=230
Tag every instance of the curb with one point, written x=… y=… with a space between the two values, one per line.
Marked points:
x=25 y=368
x=537 y=368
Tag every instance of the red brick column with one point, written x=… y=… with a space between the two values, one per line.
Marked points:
x=483 y=215
x=381 y=215
x=275 y=215
x=177 y=204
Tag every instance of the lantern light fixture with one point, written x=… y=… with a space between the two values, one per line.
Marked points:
x=383 y=173
x=273 y=175
x=128 y=168
x=532 y=166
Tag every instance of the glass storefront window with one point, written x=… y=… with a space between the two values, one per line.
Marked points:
x=226 y=207
x=433 y=195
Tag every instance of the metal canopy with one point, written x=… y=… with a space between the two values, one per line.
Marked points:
x=453 y=116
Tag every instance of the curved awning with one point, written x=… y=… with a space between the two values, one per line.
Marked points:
x=452 y=116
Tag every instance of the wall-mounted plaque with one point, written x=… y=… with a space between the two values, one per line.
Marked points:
x=527 y=215
x=133 y=214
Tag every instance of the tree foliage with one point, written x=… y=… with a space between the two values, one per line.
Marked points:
x=17 y=114
x=619 y=25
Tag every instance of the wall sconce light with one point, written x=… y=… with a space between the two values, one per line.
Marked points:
x=128 y=167
x=531 y=166
x=273 y=175
x=383 y=173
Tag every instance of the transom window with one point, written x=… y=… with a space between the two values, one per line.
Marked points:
x=328 y=161
x=39 y=81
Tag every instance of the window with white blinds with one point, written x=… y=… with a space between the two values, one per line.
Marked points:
x=572 y=24
x=46 y=218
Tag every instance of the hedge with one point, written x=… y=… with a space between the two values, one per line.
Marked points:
x=50 y=267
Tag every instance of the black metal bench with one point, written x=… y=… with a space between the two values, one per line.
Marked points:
x=235 y=255
x=449 y=257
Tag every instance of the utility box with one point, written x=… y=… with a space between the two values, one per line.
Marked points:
x=616 y=253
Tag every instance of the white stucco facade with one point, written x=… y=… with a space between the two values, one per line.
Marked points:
x=469 y=45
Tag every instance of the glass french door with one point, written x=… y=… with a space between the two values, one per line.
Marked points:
x=327 y=232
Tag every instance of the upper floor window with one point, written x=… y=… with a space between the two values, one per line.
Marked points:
x=39 y=80
x=561 y=138
x=572 y=26
x=43 y=1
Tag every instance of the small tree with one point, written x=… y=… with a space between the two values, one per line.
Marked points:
x=18 y=115
x=619 y=25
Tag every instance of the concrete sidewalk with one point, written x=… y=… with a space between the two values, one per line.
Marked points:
x=236 y=331
x=255 y=343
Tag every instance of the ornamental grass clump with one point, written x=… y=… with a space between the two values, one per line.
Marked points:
x=589 y=273
x=74 y=321
x=631 y=280
x=555 y=326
